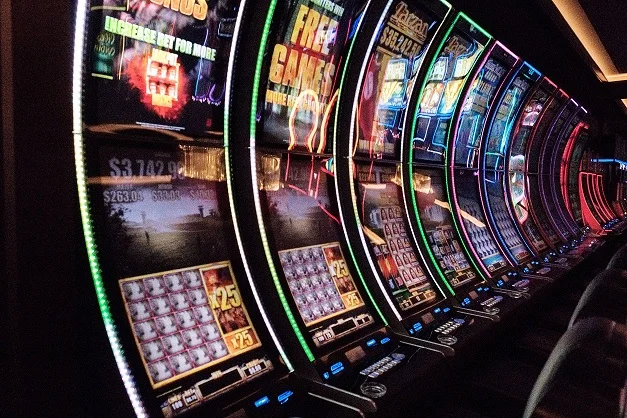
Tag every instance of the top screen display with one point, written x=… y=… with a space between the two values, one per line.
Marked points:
x=470 y=128
x=302 y=73
x=390 y=76
x=441 y=94
x=503 y=123
x=158 y=66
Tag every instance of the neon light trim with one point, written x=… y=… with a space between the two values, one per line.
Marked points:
x=88 y=230
x=240 y=245
x=253 y=159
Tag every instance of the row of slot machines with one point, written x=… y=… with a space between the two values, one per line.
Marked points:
x=292 y=205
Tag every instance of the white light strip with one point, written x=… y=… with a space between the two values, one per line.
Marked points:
x=576 y=17
x=77 y=83
x=351 y=166
x=415 y=237
x=240 y=245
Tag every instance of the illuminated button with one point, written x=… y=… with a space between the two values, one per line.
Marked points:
x=373 y=375
x=398 y=356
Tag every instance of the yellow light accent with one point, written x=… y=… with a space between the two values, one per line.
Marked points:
x=314 y=129
x=464 y=214
x=372 y=236
x=576 y=18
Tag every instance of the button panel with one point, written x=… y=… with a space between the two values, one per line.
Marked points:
x=382 y=366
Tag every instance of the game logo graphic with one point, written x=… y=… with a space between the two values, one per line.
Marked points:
x=161 y=210
x=303 y=69
x=470 y=129
x=159 y=65
x=384 y=225
x=305 y=230
x=440 y=95
x=390 y=77
x=187 y=320
x=504 y=122
x=436 y=219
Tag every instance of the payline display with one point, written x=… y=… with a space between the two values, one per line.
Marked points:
x=165 y=238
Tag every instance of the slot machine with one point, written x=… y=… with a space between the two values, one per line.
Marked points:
x=182 y=314
x=493 y=177
x=571 y=165
x=464 y=175
x=285 y=192
x=545 y=262
x=425 y=170
x=538 y=169
x=368 y=135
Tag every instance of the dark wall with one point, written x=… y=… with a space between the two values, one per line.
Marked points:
x=62 y=361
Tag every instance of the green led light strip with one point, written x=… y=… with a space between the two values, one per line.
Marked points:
x=474 y=24
x=253 y=132
x=229 y=183
x=351 y=166
x=450 y=137
x=411 y=158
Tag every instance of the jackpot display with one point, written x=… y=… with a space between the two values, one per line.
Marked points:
x=165 y=244
x=158 y=66
x=390 y=76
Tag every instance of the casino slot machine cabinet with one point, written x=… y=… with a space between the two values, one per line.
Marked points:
x=425 y=170
x=571 y=166
x=550 y=172
x=286 y=191
x=180 y=309
x=546 y=262
x=492 y=175
x=369 y=179
x=463 y=161
x=539 y=168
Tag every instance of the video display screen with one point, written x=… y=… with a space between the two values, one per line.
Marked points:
x=305 y=56
x=520 y=204
x=304 y=228
x=187 y=320
x=501 y=129
x=158 y=66
x=498 y=209
x=390 y=76
x=529 y=117
x=474 y=111
x=573 y=176
x=165 y=244
x=437 y=221
x=538 y=209
x=548 y=129
x=383 y=221
x=441 y=94
x=475 y=224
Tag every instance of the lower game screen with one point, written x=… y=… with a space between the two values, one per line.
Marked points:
x=384 y=225
x=436 y=219
x=304 y=227
x=164 y=232
x=504 y=223
x=520 y=203
x=471 y=211
x=538 y=208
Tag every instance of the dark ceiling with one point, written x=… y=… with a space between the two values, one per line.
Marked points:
x=529 y=30
x=609 y=19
